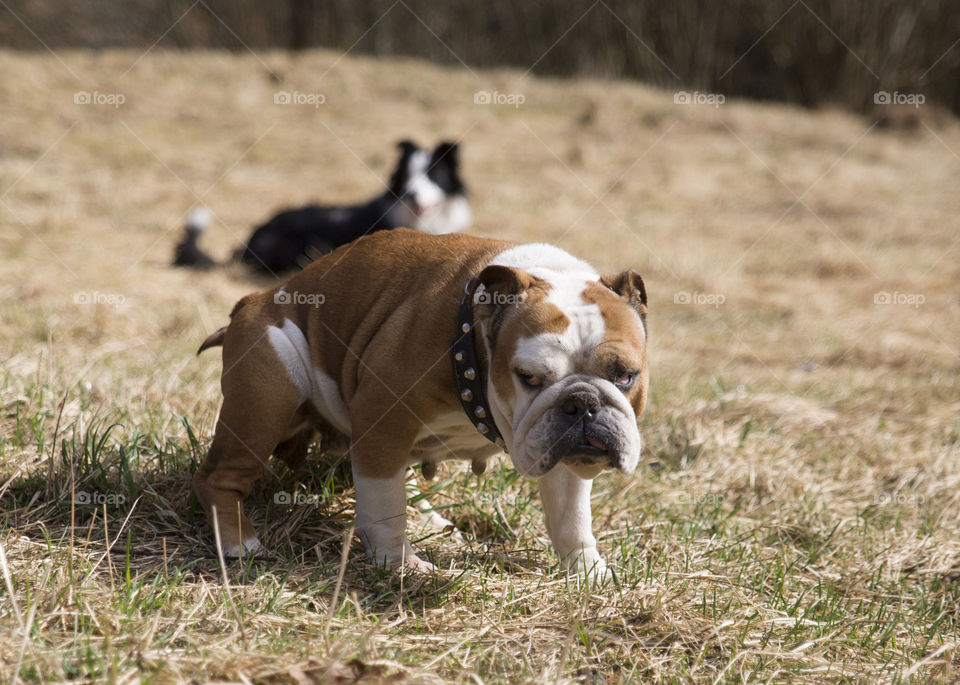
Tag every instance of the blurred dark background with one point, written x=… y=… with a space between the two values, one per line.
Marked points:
x=809 y=52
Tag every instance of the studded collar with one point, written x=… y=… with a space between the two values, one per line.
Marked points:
x=467 y=373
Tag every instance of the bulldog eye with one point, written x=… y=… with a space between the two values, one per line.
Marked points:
x=529 y=380
x=624 y=381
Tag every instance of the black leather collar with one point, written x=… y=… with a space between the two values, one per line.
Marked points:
x=467 y=373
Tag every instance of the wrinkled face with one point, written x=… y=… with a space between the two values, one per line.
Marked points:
x=569 y=373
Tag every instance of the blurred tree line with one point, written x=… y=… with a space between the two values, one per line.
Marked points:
x=810 y=52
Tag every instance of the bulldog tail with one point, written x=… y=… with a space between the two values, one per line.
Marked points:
x=215 y=339
x=188 y=252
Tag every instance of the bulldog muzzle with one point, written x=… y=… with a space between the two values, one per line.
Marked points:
x=589 y=431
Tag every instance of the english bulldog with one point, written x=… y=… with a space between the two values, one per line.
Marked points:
x=421 y=348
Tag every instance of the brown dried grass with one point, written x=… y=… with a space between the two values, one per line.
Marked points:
x=798 y=518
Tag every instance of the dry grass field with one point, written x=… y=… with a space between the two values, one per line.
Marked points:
x=797 y=516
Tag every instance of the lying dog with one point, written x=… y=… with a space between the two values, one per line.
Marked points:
x=425 y=192
x=548 y=363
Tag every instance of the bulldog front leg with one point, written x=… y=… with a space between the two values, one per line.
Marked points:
x=379 y=464
x=381 y=520
x=566 y=507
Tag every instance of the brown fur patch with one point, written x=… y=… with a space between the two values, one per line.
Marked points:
x=397 y=288
x=624 y=343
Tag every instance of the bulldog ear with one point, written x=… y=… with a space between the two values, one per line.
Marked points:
x=629 y=285
x=504 y=279
x=499 y=286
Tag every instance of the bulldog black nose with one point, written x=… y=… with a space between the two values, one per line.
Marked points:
x=581 y=403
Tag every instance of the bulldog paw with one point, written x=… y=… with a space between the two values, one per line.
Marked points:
x=438 y=524
x=587 y=563
x=599 y=573
x=408 y=562
x=399 y=557
x=251 y=546
x=434 y=522
x=415 y=563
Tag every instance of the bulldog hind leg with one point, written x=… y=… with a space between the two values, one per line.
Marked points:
x=251 y=425
x=293 y=450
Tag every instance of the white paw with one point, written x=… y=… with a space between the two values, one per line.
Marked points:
x=438 y=524
x=415 y=563
x=588 y=563
x=250 y=548
x=409 y=561
x=598 y=572
x=398 y=556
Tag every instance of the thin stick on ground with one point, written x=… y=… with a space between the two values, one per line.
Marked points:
x=28 y=627
x=344 y=555
x=226 y=580
x=106 y=539
x=8 y=581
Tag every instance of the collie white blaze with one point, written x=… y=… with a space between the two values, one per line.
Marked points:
x=419 y=186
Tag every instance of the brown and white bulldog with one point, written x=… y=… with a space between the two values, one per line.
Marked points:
x=548 y=363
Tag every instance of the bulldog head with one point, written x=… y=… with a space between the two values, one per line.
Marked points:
x=566 y=351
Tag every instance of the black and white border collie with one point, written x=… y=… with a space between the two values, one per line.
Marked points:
x=425 y=192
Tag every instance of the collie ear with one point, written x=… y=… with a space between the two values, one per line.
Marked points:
x=629 y=285
x=400 y=173
x=407 y=146
x=448 y=152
